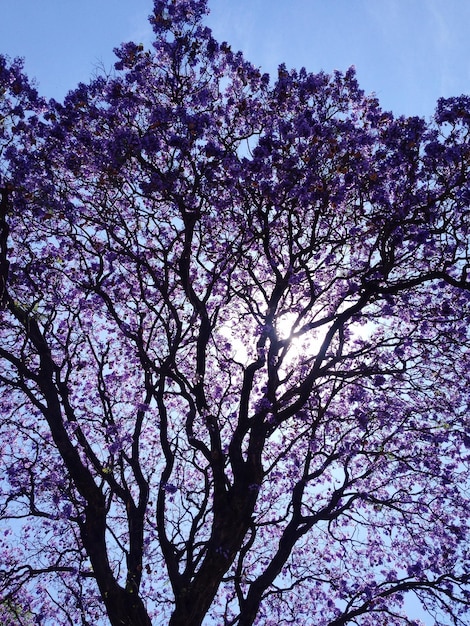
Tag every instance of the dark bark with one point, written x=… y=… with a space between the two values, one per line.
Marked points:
x=124 y=606
x=4 y=231
x=230 y=527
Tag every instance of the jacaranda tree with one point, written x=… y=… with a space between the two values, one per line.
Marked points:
x=234 y=346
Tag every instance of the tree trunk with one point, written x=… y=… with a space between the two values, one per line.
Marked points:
x=229 y=530
x=125 y=609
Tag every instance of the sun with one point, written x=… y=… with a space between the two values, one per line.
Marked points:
x=298 y=342
x=306 y=344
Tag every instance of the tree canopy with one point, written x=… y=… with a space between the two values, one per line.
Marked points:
x=234 y=345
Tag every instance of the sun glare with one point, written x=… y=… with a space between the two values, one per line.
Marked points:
x=298 y=346
x=306 y=345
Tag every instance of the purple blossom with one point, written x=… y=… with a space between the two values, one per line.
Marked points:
x=169 y=488
x=140 y=219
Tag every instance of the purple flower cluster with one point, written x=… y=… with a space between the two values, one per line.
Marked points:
x=167 y=445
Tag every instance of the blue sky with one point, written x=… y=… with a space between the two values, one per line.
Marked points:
x=409 y=52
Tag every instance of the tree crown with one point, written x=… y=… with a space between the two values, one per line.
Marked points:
x=234 y=344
